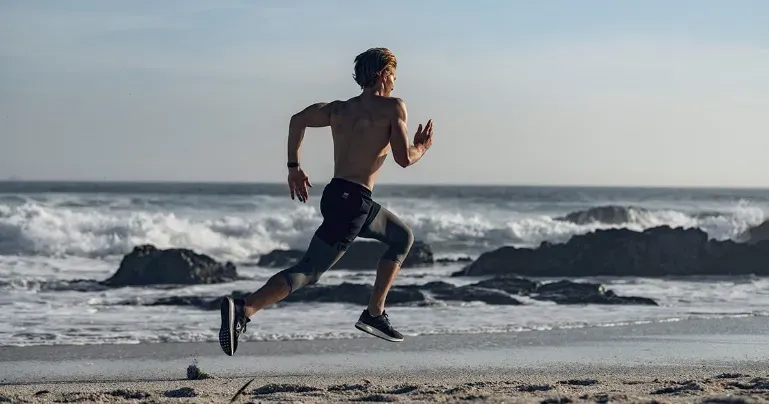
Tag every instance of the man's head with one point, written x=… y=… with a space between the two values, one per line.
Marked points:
x=375 y=69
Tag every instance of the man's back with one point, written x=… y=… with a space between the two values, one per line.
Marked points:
x=364 y=128
x=361 y=128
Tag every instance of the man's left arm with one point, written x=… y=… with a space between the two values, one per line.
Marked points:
x=317 y=115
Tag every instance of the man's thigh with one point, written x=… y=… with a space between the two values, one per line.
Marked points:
x=383 y=225
x=343 y=218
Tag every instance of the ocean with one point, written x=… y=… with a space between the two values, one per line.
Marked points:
x=59 y=231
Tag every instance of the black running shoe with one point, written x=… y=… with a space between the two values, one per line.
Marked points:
x=234 y=322
x=378 y=326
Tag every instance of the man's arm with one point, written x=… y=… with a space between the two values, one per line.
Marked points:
x=316 y=115
x=404 y=153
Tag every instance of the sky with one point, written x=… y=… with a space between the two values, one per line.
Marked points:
x=628 y=93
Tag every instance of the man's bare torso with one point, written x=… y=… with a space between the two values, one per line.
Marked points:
x=361 y=129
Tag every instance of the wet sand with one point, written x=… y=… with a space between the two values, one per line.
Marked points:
x=725 y=360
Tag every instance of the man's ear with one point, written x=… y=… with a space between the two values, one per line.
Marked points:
x=383 y=74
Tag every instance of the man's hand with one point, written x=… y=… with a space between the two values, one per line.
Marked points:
x=298 y=182
x=424 y=137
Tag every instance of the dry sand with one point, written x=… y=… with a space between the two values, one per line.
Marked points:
x=714 y=361
x=745 y=383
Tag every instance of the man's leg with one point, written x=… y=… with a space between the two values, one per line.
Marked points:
x=319 y=257
x=389 y=229
x=345 y=212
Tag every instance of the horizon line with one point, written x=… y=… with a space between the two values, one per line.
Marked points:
x=432 y=184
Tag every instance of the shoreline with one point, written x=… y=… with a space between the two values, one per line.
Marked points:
x=673 y=362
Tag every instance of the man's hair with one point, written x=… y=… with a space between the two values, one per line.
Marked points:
x=371 y=63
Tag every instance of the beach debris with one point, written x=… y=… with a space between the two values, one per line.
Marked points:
x=534 y=387
x=347 y=387
x=728 y=400
x=241 y=390
x=377 y=398
x=273 y=388
x=75 y=397
x=184 y=392
x=579 y=382
x=474 y=397
x=194 y=372
x=404 y=389
x=600 y=398
x=556 y=400
x=41 y=392
x=688 y=386
x=731 y=376
x=129 y=394
x=758 y=383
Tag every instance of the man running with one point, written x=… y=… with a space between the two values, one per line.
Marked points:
x=364 y=129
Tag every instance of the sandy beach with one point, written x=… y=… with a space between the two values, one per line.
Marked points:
x=721 y=360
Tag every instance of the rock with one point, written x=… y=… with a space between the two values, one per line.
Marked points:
x=360 y=255
x=509 y=283
x=205 y=303
x=610 y=214
x=497 y=291
x=476 y=294
x=560 y=292
x=568 y=292
x=148 y=265
x=756 y=234
x=280 y=258
x=659 y=251
x=448 y=292
x=351 y=293
x=343 y=293
x=453 y=260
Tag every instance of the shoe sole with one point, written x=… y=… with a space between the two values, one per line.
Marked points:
x=373 y=331
x=227 y=329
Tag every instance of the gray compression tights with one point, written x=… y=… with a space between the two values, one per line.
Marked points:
x=325 y=250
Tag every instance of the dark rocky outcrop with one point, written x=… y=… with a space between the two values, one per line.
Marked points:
x=360 y=255
x=756 y=234
x=148 y=265
x=355 y=293
x=497 y=291
x=567 y=292
x=561 y=292
x=511 y=284
x=660 y=251
x=469 y=293
x=609 y=214
x=280 y=258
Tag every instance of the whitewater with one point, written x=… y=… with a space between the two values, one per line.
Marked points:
x=53 y=232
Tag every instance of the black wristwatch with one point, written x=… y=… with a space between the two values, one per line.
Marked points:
x=292 y=164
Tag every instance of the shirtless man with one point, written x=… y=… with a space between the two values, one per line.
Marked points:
x=364 y=129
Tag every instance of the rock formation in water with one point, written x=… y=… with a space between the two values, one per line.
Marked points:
x=500 y=290
x=655 y=252
x=360 y=255
x=148 y=265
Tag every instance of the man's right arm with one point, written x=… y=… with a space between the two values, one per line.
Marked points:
x=404 y=153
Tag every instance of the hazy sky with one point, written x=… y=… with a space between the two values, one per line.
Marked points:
x=522 y=92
